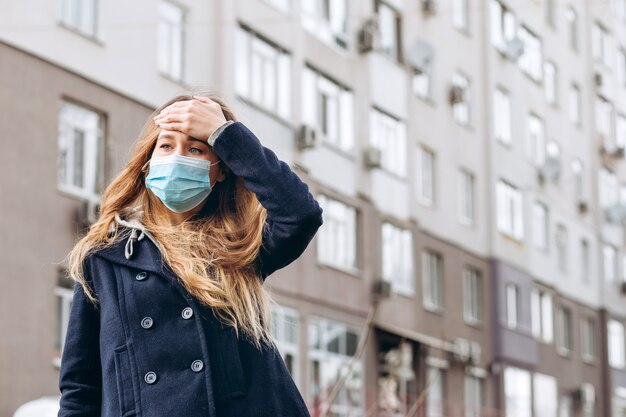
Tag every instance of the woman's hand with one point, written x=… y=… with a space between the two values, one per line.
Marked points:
x=197 y=118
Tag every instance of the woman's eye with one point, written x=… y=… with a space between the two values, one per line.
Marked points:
x=196 y=149
x=164 y=145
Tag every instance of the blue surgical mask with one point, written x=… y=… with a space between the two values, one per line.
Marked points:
x=180 y=182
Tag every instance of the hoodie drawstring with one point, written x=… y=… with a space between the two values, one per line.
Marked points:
x=128 y=249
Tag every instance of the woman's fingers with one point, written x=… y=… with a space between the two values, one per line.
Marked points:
x=181 y=127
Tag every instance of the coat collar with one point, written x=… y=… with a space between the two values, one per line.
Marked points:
x=146 y=256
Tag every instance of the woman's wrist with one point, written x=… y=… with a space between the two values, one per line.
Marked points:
x=216 y=132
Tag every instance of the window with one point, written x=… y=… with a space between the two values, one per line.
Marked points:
x=460 y=15
x=609 y=256
x=435 y=396
x=608 y=188
x=566 y=406
x=398 y=258
x=328 y=20
x=432 y=280
x=572 y=27
x=584 y=261
x=331 y=347
x=64 y=295
x=80 y=15
x=517 y=402
x=588 y=339
x=473 y=396
x=389 y=135
x=551 y=83
x=284 y=328
x=262 y=73
x=509 y=209
x=531 y=61
x=536 y=146
x=620 y=8
x=621 y=67
x=422 y=83
x=79 y=163
x=171 y=40
x=561 y=247
x=540 y=225
x=425 y=176
x=503 y=25
x=389 y=23
x=461 y=107
x=502 y=115
x=601 y=45
x=466 y=197
x=615 y=337
x=336 y=240
x=545 y=395
x=541 y=315
x=578 y=172
x=620 y=131
x=472 y=296
x=565 y=331
x=329 y=107
x=574 y=105
x=553 y=150
x=604 y=120
x=512 y=309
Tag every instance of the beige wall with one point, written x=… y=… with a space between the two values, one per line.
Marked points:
x=37 y=226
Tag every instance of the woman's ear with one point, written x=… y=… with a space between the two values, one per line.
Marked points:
x=221 y=176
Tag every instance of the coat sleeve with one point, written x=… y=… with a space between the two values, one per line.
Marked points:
x=80 y=379
x=293 y=214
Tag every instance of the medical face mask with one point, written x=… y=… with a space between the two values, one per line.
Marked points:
x=180 y=182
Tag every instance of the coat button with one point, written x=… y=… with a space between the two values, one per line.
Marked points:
x=197 y=365
x=146 y=322
x=141 y=276
x=150 y=377
x=187 y=313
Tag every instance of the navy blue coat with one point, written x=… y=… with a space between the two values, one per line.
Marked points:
x=149 y=349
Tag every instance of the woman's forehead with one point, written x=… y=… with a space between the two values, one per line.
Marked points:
x=179 y=136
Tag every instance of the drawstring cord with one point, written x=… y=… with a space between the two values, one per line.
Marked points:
x=128 y=249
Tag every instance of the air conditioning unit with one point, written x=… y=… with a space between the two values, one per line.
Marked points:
x=88 y=212
x=513 y=49
x=461 y=351
x=550 y=170
x=381 y=288
x=307 y=137
x=429 y=6
x=456 y=94
x=585 y=394
x=372 y=157
x=582 y=205
x=366 y=36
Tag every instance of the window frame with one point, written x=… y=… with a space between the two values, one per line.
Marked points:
x=401 y=246
x=351 y=238
x=74 y=117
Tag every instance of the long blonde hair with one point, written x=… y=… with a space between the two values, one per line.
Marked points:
x=211 y=253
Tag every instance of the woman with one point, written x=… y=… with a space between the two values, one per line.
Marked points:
x=169 y=315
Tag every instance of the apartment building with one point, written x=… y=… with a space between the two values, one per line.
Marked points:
x=468 y=156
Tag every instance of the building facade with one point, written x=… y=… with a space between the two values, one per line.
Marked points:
x=469 y=157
